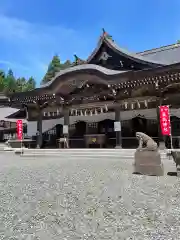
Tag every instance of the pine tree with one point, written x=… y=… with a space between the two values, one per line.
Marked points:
x=10 y=82
x=31 y=84
x=66 y=64
x=20 y=84
x=53 y=68
x=2 y=80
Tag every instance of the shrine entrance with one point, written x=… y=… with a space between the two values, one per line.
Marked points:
x=139 y=124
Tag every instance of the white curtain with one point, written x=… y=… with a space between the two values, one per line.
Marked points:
x=125 y=115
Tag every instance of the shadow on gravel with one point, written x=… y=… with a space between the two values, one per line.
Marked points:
x=172 y=174
x=137 y=173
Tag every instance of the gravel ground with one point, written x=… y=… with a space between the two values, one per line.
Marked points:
x=85 y=199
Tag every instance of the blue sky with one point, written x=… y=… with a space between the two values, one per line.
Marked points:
x=32 y=31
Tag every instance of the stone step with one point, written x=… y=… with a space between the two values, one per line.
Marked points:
x=84 y=150
x=81 y=153
x=83 y=156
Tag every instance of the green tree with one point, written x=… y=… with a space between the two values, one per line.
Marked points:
x=66 y=64
x=31 y=84
x=10 y=82
x=2 y=80
x=53 y=68
x=20 y=84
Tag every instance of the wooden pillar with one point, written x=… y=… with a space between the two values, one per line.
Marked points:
x=66 y=125
x=118 y=130
x=39 y=129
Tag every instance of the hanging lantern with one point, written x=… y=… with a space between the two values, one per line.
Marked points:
x=126 y=105
x=138 y=103
x=145 y=103
x=72 y=111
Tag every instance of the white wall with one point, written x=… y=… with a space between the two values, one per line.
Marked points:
x=126 y=115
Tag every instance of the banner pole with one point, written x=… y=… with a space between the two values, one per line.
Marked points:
x=171 y=142
x=22 y=140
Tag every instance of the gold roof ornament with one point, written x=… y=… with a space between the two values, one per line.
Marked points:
x=106 y=35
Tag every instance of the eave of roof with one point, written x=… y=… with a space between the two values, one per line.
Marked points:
x=134 y=56
x=81 y=67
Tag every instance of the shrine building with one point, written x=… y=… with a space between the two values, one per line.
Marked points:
x=104 y=100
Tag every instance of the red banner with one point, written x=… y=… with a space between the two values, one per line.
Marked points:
x=19 y=129
x=165 y=120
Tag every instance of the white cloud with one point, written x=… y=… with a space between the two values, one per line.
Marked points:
x=33 y=45
x=13 y=65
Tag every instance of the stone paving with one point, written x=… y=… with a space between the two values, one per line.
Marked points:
x=51 y=198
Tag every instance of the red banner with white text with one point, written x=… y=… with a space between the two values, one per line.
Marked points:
x=165 y=120
x=19 y=129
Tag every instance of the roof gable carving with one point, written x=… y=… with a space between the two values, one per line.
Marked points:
x=106 y=43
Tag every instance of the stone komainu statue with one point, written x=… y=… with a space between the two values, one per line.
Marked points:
x=147 y=157
x=146 y=142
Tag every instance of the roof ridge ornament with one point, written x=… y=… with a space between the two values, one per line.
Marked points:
x=78 y=60
x=106 y=35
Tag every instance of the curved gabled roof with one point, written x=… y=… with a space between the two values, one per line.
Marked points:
x=82 y=67
x=121 y=51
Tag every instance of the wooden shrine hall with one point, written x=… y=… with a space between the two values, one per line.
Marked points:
x=104 y=100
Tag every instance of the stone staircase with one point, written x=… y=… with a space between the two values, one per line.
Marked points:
x=84 y=153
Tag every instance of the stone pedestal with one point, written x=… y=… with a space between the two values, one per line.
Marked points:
x=148 y=163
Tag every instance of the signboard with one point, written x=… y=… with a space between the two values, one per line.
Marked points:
x=65 y=129
x=165 y=120
x=117 y=126
x=19 y=129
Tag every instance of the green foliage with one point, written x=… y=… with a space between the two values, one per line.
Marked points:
x=21 y=85
x=30 y=84
x=54 y=67
x=2 y=80
x=9 y=84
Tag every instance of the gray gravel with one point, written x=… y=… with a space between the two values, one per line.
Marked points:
x=85 y=199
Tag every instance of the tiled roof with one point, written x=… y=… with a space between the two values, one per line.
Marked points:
x=170 y=54
x=5 y=112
